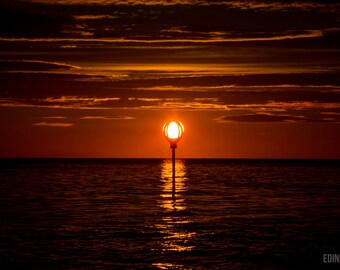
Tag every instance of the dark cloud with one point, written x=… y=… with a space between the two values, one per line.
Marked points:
x=257 y=87
x=25 y=19
x=181 y=20
x=269 y=118
x=32 y=65
x=255 y=56
x=256 y=4
x=54 y=117
x=243 y=80
x=269 y=91
x=96 y=117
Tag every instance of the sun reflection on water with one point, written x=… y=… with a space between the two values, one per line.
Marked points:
x=173 y=222
x=168 y=202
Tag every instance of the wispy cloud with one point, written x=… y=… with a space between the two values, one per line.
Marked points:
x=330 y=113
x=301 y=107
x=54 y=117
x=280 y=5
x=47 y=124
x=188 y=105
x=255 y=4
x=107 y=117
x=146 y=99
x=78 y=33
x=93 y=17
x=96 y=21
x=151 y=40
x=260 y=117
x=78 y=100
x=32 y=65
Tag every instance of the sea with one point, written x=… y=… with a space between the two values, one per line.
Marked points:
x=122 y=214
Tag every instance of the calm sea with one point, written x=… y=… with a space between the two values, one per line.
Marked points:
x=120 y=214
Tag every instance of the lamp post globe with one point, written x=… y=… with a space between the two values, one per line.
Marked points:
x=173 y=132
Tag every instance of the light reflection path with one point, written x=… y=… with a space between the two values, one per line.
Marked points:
x=173 y=223
x=168 y=202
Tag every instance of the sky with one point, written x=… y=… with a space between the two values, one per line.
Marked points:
x=99 y=78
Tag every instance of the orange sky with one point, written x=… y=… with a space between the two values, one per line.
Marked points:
x=143 y=137
x=257 y=80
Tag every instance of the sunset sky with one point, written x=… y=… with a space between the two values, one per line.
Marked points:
x=99 y=78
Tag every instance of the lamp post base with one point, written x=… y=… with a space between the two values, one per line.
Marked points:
x=173 y=145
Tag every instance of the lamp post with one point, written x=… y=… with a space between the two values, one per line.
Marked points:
x=173 y=131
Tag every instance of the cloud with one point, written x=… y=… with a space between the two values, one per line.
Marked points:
x=224 y=34
x=93 y=17
x=68 y=46
x=75 y=102
x=168 y=40
x=269 y=118
x=33 y=65
x=233 y=92
x=302 y=105
x=78 y=33
x=281 y=5
x=46 y=124
x=254 y=4
x=79 y=99
x=107 y=118
x=131 y=103
x=188 y=105
x=145 y=99
x=330 y=113
x=83 y=22
x=54 y=117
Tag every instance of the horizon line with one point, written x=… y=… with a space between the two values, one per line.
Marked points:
x=169 y=158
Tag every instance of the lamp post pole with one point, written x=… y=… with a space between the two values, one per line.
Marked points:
x=173 y=147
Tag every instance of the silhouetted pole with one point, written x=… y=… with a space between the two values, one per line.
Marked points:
x=173 y=147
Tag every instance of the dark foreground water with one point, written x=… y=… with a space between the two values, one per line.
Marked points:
x=120 y=214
